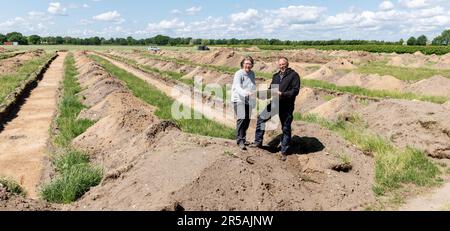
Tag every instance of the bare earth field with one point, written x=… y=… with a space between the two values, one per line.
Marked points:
x=152 y=163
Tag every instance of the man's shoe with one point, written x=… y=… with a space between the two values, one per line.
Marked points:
x=256 y=145
x=283 y=157
x=242 y=146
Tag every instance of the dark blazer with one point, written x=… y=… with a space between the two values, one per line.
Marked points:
x=289 y=86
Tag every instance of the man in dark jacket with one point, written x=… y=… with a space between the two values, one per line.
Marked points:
x=286 y=84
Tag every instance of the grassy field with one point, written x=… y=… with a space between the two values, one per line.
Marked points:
x=394 y=167
x=399 y=49
x=9 y=82
x=75 y=174
x=305 y=82
x=155 y=97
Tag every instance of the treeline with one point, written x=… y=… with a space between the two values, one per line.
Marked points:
x=422 y=40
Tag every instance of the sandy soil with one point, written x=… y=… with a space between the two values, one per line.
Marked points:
x=10 y=65
x=436 y=85
x=23 y=142
x=419 y=124
x=13 y=202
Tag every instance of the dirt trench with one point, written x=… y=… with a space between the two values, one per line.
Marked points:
x=24 y=140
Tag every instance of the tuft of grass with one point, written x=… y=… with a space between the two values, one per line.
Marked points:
x=12 y=186
x=64 y=162
x=155 y=97
x=393 y=166
x=75 y=175
x=402 y=73
x=72 y=183
x=344 y=158
x=9 y=82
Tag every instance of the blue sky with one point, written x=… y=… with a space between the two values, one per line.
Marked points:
x=283 y=19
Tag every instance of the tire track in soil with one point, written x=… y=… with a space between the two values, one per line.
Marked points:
x=24 y=140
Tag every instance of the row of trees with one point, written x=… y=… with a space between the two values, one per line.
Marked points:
x=443 y=39
x=420 y=41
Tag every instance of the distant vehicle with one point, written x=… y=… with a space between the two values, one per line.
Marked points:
x=154 y=49
x=203 y=48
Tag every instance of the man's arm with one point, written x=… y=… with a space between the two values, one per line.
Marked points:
x=295 y=87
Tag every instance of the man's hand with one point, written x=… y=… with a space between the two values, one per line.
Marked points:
x=280 y=93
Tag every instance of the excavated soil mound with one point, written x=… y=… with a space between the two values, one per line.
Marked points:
x=98 y=83
x=341 y=63
x=436 y=85
x=114 y=103
x=419 y=124
x=117 y=139
x=324 y=73
x=209 y=76
x=190 y=172
x=221 y=57
x=13 y=202
x=374 y=82
x=11 y=65
x=408 y=60
x=308 y=99
x=341 y=106
x=443 y=62
x=101 y=89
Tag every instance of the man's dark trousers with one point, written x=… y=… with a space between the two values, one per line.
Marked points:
x=285 y=112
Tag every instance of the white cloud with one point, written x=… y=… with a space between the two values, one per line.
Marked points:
x=85 y=5
x=415 y=4
x=249 y=15
x=386 y=5
x=57 y=9
x=110 y=16
x=193 y=10
x=33 y=23
x=299 y=14
x=166 y=25
x=175 y=11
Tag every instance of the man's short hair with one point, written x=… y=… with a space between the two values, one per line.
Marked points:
x=247 y=58
x=284 y=58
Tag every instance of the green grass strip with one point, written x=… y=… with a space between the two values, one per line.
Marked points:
x=75 y=175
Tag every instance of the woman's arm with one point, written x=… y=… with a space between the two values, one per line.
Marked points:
x=237 y=85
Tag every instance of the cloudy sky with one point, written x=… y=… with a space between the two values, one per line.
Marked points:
x=282 y=19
